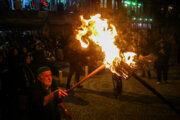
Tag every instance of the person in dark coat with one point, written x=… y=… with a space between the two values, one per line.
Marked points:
x=76 y=67
x=45 y=99
x=28 y=77
x=163 y=51
x=25 y=81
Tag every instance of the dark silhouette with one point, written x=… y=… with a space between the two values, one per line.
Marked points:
x=163 y=51
x=75 y=59
x=45 y=98
x=117 y=82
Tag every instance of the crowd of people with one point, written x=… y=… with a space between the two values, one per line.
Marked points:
x=22 y=71
x=20 y=58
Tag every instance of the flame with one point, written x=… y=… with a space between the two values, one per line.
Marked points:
x=99 y=31
x=129 y=58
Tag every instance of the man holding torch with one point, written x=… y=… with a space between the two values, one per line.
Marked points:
x=45 y=98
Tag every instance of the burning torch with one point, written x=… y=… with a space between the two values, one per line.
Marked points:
x=123 y=64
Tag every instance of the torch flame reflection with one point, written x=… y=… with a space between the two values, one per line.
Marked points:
x=99 y=31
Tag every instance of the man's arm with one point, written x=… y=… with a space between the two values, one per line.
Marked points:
x=48 y=98
x=57 y=93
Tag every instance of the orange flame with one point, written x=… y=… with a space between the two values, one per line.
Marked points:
x=97 y=30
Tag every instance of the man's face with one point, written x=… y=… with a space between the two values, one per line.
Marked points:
x=46 y=78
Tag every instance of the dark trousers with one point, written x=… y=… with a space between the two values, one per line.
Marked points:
x=117 y=82
x=162 y=71
x=77 y=76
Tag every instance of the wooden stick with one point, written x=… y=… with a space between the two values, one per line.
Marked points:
x=88 y=76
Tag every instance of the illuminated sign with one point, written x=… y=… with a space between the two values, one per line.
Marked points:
x=44 y=4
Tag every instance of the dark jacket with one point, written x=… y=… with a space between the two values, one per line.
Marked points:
x=37 y=110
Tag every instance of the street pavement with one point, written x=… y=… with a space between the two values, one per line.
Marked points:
x=96 y=100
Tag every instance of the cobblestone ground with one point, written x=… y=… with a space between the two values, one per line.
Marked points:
x=96 y=100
